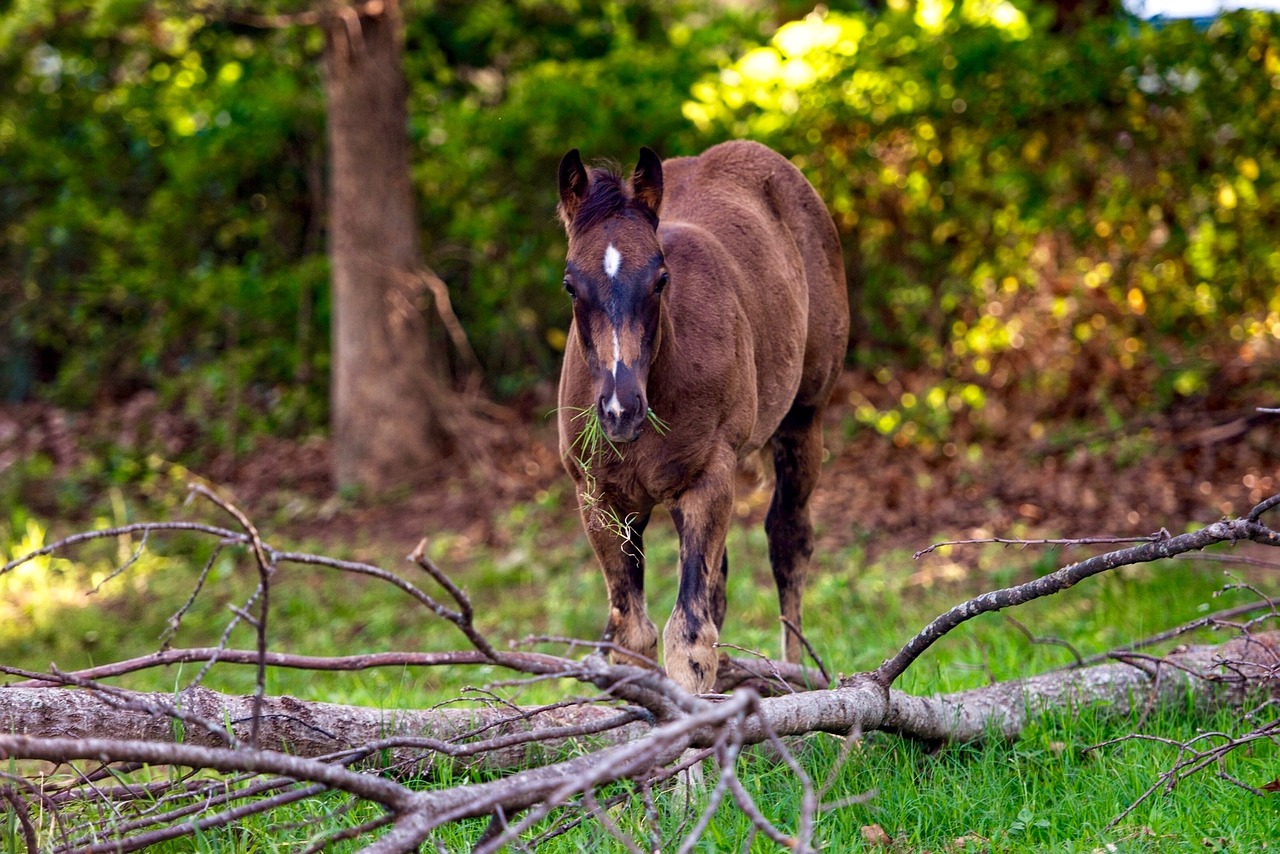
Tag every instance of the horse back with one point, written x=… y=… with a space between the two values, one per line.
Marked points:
x=785 y=269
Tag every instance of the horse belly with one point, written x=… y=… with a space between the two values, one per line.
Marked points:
x=779 y=346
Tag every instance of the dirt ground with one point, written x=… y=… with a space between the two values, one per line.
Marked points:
x=1006 y=474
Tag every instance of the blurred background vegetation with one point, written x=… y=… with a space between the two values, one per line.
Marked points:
x=1079 y=220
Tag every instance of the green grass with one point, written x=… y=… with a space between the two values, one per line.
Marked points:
x=1042 y=793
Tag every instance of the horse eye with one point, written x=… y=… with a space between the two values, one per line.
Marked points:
x=568 y=286
x=661 y=283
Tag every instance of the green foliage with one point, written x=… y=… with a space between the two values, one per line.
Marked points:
x=1074 y=218
x=159 y=231
x=164 y=225
x=1075 y=215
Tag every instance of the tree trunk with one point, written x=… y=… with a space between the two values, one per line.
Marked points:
x=390 y=401
x=1203 y=676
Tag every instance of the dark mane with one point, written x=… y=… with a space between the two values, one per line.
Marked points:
x=608 y=196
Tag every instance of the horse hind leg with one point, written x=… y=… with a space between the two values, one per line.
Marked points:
x=797 y=457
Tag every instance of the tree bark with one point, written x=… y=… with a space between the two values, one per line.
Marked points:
x=391 y=403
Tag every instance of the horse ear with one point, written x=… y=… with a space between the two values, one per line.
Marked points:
x=646 y=181
x=573 y=186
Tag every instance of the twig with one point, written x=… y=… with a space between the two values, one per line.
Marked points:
x=1256 y=513
x=175 y=621
x=225 y=638
x=773 y=669
x=166 y=657
x=847 y=743
x=462 y=618
x=205 y=822
x=667 y=741
x=371 y=788
x=728 y=756
x=1234 y=559
x=1035 y=639
x=1192 y=762
x=19 y=807
x=353 y=832
x=210 y=800
x=813 y=653
x=266 y=567
x=1082 y=541
x=589 y=798
x=137 y=553
x=1200 y=622
x=458 y=335
x=138 y=527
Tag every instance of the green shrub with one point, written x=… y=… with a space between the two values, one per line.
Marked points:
x=1085 y=220
x=1084 y=216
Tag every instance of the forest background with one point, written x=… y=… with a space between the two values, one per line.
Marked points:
x=1042 y=222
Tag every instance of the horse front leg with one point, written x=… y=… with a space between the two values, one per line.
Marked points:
x=701 y=516
x=618 y=542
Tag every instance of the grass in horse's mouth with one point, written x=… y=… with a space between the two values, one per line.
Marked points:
x=659 y=426
x=592 y=439
x=588 y=446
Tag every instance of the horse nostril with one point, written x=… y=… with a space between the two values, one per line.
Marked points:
x=611 y=409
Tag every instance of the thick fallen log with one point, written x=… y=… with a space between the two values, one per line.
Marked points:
x=503 y=738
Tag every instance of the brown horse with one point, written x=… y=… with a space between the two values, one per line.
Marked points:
x=709 y=292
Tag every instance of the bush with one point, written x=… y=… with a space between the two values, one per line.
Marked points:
x=1085 y=216
x=159 y=225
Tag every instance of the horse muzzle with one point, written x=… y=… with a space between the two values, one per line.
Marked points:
x=622 y=405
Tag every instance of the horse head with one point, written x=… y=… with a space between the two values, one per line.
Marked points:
x=615 y=274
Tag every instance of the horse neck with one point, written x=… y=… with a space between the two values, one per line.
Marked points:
x=662 y=363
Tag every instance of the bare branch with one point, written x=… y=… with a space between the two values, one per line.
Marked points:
x=58 y=750
x=266 y=567
x=19 y=807
x=813 y=653
x=1081 y=541
x=1036 y=639
x=175 y=621
x=140 y=527
x=462 y=618
x=1247 y=528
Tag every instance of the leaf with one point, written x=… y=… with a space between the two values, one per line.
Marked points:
x=1273 y=786
x=873 y=834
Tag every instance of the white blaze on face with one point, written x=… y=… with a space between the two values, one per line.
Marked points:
x=613 y=263
x=614 y=406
